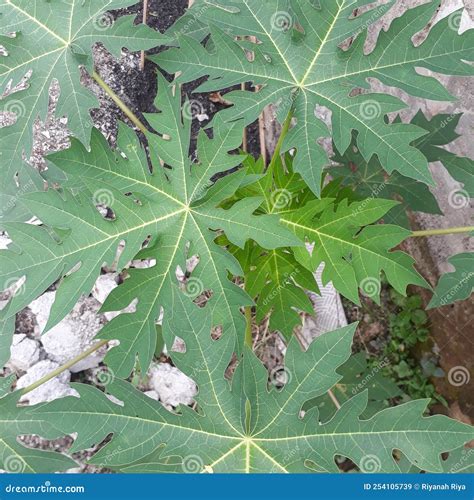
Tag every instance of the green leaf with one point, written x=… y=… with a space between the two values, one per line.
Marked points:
x=6 y=384
x=457 y=285
x=14 y=456
x=53 y=40
x=354 y=250
x=244 y=427
x=441 y=132
x=280 y=284
x=7 y=329
x=176 y=210
x=369 y=179
x=460 y=461
x=354 y=255
x=275 y=279
x=358 y=376
x=298 y=64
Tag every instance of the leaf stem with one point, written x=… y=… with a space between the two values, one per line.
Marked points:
x=128 y=112
x=248 y=329
x=440 y=232
x=284 y=131
x=64 y=367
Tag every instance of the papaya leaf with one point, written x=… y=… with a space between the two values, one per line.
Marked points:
x=298 y=64
x=16 y=457
x=357 y=376
x=175 y=210
x=441 y=132
x=339 y=230
x=457 y=285
x=369 y=178
x=52 y=40
x=274 y=278
x=245 y=427
x=352 y=247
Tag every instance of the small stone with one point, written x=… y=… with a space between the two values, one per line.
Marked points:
x=152 y=395
x=51 y=390
x=104 y=286
x=172 y=386
x=25 y=352
x=73 y=335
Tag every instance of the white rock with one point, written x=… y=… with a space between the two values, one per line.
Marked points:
x=172 y=386
x=25 y=352
x=104 y=286
x=41 y=308
x=73 y=335
x=152 y=395
x=54 y=389
x=143 y=264
x=4 y=242
x=102 y=289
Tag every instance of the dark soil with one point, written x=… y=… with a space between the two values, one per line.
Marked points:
x=138 y=88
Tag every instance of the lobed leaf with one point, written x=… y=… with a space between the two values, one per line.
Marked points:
x=53 y=40
x=457 y=285
x=298 y=64
x=175 y=210
x=244 y=427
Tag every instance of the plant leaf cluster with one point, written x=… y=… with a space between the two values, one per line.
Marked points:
x=255 y=234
